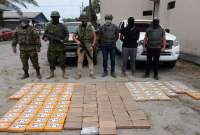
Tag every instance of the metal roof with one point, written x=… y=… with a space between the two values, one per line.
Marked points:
x=11 y=15
x=4 y=8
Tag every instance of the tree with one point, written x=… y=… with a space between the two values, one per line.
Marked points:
x=14 y=4
x=95 y=10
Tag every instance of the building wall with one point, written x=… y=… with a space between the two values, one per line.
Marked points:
x=122 y=9
x=184 y=22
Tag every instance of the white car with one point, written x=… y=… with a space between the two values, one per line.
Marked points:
x=171 y=54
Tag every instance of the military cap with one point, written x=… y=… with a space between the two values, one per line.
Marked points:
x=83 y=17
x=55 y=14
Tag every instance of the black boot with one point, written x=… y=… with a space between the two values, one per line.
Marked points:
x=51 y=74
x=156 y=77
x=26 y=75
x=38 y=74
x=104 y=74
x=146 y=75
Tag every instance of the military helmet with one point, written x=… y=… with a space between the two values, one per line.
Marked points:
x=108 y=17
x=83 y=17
x=55 y=14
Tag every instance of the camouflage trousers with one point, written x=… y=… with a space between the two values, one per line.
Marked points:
x=29 y=54
x=54 y=57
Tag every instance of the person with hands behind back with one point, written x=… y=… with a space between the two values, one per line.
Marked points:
x=155 y=42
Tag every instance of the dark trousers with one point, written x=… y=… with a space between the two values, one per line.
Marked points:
x=126 y=54
x=153 y=56
x=108 y=49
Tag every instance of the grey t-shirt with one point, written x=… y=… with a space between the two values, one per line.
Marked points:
x=155 y=37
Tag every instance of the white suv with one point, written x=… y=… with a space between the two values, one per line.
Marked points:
x=171 y=53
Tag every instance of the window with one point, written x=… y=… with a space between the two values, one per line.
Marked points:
x=171 y=5
x=147 y=13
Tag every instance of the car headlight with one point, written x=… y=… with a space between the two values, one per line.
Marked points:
x=176 y=42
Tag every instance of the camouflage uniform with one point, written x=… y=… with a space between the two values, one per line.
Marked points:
x=56 y=50
x=29 y=41
x=85 y=36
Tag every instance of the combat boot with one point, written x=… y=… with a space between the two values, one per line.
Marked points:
x=78 y=76
x=26 y=75
x=124 y=74
x=51 y=74
x=92 y=76
x=38 y=74
x=64 y=74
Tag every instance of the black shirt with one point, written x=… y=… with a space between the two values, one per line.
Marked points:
x=131 y=36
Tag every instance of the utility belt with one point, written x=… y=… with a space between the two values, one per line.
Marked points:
x=24 y=42
x=86 y=40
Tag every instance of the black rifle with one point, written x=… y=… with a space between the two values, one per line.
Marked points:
x=52 y=37
x=84 y=48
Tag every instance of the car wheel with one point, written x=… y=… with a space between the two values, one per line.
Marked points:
x=171 y=64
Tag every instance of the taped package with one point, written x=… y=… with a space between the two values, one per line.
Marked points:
x=53 y=127
x=15 y=128
x=7 y=119
x=23 y=121
x=39 y=120
x=4 y=127
x=35 y=127
x=56 y=120
x=194 y=94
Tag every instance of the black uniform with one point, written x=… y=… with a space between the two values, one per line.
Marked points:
x=154 y=45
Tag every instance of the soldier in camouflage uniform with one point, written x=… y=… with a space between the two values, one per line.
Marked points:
x=85 y=34
x=56 y=49
x=29 y=46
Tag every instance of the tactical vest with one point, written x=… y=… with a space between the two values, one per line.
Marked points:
x=155 y=37
x=85 y=34
x=59 y=31
x=56 y=30
x=25 y=36
x=108 y=33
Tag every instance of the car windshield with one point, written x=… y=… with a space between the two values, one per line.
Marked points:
x=72 y=27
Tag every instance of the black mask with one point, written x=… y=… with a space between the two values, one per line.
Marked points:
x=131 y=22
x=84 y=24
x=156 y=23
x=55 y=20
x=24 y=24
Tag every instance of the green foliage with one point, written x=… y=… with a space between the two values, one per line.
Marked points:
x=95 y=10
x=69 y=19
